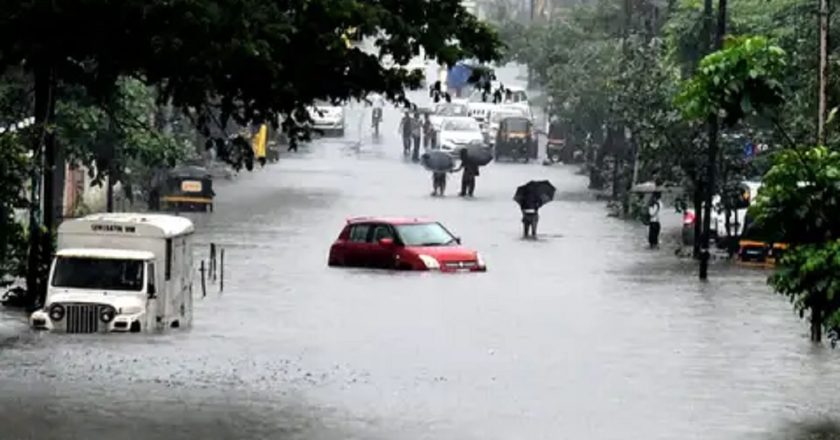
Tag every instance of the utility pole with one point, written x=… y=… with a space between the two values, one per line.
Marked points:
x=823 y=74
x=705 y=254
x=532 y=9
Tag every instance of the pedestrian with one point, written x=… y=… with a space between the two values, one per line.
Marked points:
x=428 y=133
x=438 y=183
x=654 y=207
x=530 y=215
x=406 y=127
x=416 y=133
x=468 y=176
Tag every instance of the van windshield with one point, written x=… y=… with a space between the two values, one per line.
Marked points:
x=98 y=274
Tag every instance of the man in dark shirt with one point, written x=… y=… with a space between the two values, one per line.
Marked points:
x=468 y=177
x=530 y=215
x=406 y=125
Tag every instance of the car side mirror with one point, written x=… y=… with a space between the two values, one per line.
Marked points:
x=151 y=291
x=386 y=242
x=458 y=240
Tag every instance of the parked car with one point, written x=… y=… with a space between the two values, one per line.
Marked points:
x=458 y=133
x=327 y=118
x=402 y=244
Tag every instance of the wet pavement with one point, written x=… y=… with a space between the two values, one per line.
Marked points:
x=583 y=334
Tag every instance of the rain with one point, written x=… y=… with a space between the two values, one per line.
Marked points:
x=583 y=331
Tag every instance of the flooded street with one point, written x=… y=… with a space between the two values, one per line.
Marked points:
x=584 y=334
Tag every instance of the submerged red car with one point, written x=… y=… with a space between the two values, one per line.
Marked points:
x=402 y=244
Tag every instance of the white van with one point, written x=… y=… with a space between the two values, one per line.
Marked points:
x=120 y=273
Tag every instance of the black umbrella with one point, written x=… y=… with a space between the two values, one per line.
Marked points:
x=437 y=161
x=479 y=155
x=534 y=194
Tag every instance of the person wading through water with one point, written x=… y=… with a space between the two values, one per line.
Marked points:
x=416 y=133
x=405 y=127
x=468 y=177
x=428 y=133
x=654 y=207
x=530 y=216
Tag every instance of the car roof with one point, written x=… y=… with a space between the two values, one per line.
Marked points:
x=390 y=220
x=458 y=118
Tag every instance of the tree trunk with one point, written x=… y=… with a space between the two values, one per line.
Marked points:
x=43 y=148
x=816 y=322
x=823 y=74
x=698 y=219
x=109 y=193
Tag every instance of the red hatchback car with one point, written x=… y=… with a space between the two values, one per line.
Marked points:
x=402 y=244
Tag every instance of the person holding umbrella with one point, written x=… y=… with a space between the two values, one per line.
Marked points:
x=470 y=168
x=439 y=163
x=530 y=198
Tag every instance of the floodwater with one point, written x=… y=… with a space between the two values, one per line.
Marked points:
x=583 y=334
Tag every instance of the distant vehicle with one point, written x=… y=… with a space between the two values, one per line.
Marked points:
x=515 y=140
x=186 y=189
x=481 y=111
x=747 y=192
x=443 y=110
x=327 y=118
x=120 y=273
x=402 y=244
x=758 y=246
x=457 y=133
x=496 y=117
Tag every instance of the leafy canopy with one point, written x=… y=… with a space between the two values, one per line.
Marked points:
x=743 y=78
x=248 y=60
x=800 y=200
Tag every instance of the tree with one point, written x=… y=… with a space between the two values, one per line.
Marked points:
x=220 y=60
x=799 y=200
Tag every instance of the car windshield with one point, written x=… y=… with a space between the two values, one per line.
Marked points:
x=451 y=110
x=517 y=125
x=461 y=125
x=425 y=234
x=98 y=274
x=498 y=116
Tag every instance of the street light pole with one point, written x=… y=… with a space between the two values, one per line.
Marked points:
x=714 y=129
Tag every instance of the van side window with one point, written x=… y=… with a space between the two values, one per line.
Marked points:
x=168 y=269
x=359 y=233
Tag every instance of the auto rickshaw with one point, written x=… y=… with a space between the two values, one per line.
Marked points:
x=759 y=247
x=556 y=144
x=188 y=189
x=515 y=139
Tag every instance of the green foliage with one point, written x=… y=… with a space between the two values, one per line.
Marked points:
x=119 y=137
x=810 y=276
x=800 y=201
x=743 y=78
x=14 y=167
x=800 y=197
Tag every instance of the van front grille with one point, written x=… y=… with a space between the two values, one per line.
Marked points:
x=82 y=318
